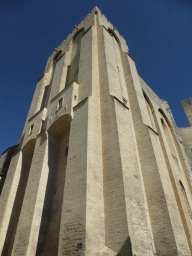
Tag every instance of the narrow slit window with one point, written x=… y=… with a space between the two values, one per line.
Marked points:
x=31 y=129
x=59 y=104
x=66 y=151
x=124 y=100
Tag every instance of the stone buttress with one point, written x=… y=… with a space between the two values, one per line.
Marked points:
x=99 y=169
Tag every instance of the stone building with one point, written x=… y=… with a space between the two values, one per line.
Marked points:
x=101 y=168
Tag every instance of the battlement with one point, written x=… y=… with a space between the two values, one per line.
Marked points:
x=100 y=169
x=185 y=103
x=187 y=107
x=85 y=25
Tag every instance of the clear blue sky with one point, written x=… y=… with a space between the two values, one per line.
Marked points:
x=158 y=33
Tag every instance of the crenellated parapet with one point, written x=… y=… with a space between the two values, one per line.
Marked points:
x=187 y=106
x=85 y=25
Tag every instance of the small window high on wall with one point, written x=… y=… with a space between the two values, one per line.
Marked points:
x=31 y=129
x=60 y=104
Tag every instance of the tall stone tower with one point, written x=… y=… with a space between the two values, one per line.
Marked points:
x=100 y=169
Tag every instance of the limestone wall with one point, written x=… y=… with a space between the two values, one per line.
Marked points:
x=100 y=168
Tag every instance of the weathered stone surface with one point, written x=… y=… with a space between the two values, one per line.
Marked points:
x=101 y=168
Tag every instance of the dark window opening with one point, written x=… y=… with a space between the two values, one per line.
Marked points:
x=66 y=151
x=79 y=245
x=31 y=129
x=59 y=104
x=162 y=121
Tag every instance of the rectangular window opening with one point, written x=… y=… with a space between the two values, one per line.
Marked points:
x=59 y=104
x=31 y=129
x=79 y=245
x=66 y=151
